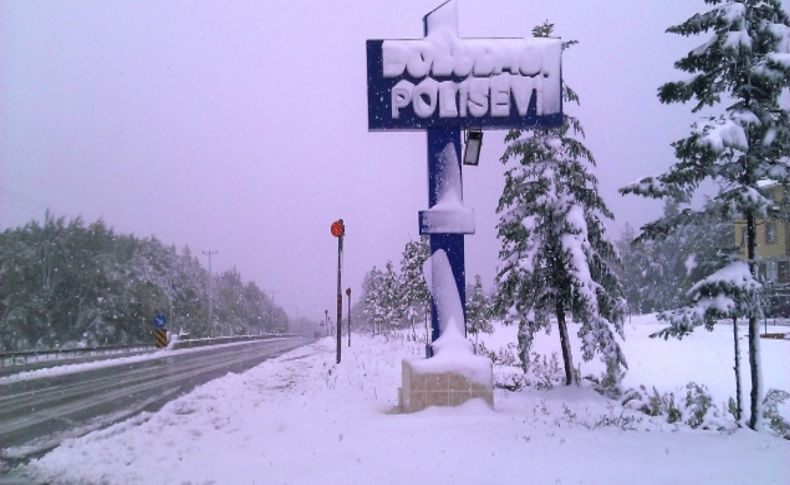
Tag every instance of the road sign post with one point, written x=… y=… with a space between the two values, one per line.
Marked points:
x=160 y=330
x=338 y=229
x=326 y=322
x=348 y=325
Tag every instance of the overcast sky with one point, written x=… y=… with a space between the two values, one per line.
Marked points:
x=241 y=126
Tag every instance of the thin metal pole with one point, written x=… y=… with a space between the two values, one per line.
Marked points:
x=348 y=292
x=737 y=369
x=339 y=296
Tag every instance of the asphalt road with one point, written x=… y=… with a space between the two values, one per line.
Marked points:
x=36 y=415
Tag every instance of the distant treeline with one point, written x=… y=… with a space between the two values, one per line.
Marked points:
x=68 y=284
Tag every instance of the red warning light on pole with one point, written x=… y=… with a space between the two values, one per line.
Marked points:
x=338 y=229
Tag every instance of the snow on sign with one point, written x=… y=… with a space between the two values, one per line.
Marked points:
x=444 y=80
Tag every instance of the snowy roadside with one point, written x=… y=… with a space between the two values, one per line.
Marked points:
x=302 y=419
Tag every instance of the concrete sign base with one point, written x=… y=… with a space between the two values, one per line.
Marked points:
x=421 y=390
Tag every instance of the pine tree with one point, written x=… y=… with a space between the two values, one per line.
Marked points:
x=390 y=297
x=554 y=254
x=371 y=300
x=478 y=310
x=414 y=291
x=742 y=67
x=629 y=273
x=657 y=274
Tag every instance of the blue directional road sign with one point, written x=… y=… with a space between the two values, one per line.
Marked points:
x=160 y=320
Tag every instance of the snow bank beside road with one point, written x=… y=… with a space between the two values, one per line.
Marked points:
x=301 y=419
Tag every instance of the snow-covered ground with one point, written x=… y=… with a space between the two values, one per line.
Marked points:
x=703 y=357
x=302 y=419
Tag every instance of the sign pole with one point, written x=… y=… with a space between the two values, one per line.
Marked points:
x=338 y=229
x=339 y=297
x=348 y=293
x=452 y=244
x=326 y=321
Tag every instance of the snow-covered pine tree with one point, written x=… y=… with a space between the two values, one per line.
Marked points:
x=630 y=272
x=743 y=67
x=414 y=291
x=652 y=272
x=657 y=274
x=371 y=299
x=382 y=300
x=390 y=298
x=478 y=310
x=554 y=254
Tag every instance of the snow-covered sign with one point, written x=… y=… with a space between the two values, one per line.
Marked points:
x=443 y=84
x=443 y=80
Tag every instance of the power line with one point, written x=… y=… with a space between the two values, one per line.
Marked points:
x=22 y=203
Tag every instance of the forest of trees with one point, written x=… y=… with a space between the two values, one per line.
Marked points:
x=655 y=276
x=70 y=284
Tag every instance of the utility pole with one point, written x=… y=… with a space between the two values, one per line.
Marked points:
x=339 y=297
x=348 y=292
x=170 y=293
x=275 y=324
x=209 y=253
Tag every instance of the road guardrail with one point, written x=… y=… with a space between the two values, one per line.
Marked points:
x=28 y=357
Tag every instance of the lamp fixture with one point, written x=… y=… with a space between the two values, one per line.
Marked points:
x=473 y=138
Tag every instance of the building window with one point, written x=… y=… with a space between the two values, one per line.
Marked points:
x=783 y=271
x=770 y=233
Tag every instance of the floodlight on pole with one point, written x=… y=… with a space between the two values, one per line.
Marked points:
x=473 y=138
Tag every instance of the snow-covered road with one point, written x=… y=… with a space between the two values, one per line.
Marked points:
x=41 y=408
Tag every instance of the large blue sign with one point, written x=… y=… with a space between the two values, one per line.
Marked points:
x=445 y=81
x=443 y=84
